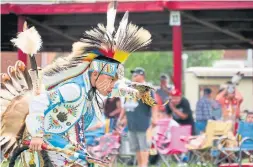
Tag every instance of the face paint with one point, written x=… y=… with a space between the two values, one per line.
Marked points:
x=103 y=85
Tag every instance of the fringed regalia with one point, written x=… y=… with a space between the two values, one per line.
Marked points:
x=67 y=104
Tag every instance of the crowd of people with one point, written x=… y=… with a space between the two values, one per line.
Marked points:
x=139 y=118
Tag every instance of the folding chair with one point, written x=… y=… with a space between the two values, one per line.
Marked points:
x=125 y=156
x=171 y=144
x=245 y=131
x=243 y=146
x=201 y=145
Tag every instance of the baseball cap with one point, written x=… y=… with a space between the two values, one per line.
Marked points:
x=175 y=92
x=138 y=70
x=164 y=77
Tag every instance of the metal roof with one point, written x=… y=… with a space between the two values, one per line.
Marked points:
x=221 y=26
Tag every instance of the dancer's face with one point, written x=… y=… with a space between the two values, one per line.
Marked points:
x=104 y=83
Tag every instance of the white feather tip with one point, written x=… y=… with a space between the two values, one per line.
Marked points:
x=29 y=41
x=111 y=14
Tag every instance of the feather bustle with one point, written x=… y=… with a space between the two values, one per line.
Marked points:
x=14 y=105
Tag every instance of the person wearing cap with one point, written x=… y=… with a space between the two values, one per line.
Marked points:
x=203 y=111
x=164 y=90
x=180 y=108
x=139 y=117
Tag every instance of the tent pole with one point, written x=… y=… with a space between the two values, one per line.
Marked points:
x=177 y=50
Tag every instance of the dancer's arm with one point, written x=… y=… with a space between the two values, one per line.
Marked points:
x=220 y=97
x=238 y=96
x=35 y=118
x=121 y=90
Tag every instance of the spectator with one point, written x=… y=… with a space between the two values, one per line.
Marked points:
x=203 y=111
x=138 y=121
x=180 y=109
x=164 y=89
x=249 y=117
x=230 y=100
x=217 y=111
x=112 y=112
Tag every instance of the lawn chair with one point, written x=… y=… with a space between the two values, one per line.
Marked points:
x=201 y=145
x=171 y=144
x=243 y=145
x=126 y=157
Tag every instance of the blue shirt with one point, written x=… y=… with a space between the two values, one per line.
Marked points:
x=203 y=109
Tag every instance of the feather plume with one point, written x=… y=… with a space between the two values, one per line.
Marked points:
x=20 y=73
x=29 y=41
x=236 y=78
x=134 y=38
x=5 y=94
x=111 y=14
x=122 y=27
x=11 y=73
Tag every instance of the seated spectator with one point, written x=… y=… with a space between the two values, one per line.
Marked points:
x=179 y=108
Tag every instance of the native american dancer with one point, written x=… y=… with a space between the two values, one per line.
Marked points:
x=231 y=99
x=55 y=116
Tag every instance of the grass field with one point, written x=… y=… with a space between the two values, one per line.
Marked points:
x=18 y=164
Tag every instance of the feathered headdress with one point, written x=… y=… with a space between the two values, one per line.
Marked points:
x=117 y=45
x=103 y=41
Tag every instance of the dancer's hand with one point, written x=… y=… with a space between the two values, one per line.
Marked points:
x=36 y=143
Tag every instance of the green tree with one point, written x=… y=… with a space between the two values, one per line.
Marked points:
x=153 y=62
x=203 y=58
x=156 y=63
